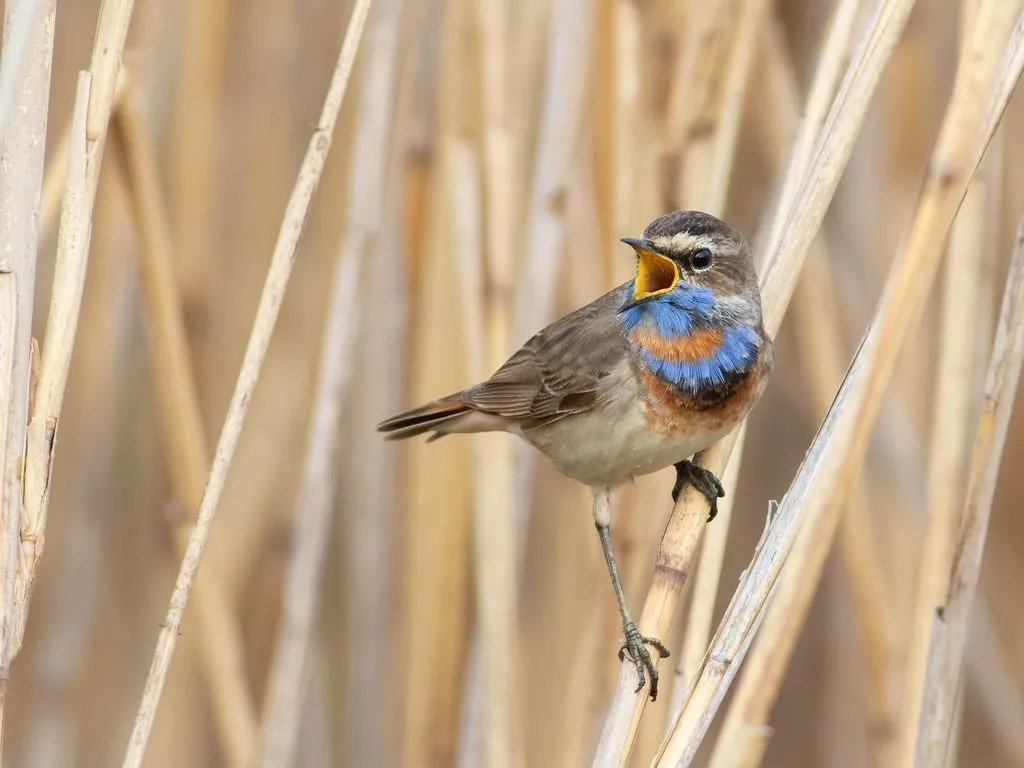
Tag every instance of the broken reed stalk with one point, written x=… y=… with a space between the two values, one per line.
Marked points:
x=682 y=535
x=181 y=424
x=288 y=681
x=949 y=627
x=94 y=96
x=836 y=454
x=24 y=100
x=278 y=274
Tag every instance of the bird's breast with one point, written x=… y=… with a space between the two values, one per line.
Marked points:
x=700 y=380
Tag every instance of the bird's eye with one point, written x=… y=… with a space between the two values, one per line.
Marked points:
x=701 y=259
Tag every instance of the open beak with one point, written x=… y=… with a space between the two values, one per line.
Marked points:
x=655 y=274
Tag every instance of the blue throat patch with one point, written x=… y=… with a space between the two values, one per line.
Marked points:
x=676 y=315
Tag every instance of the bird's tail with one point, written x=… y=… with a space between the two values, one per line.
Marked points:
x=426 y=418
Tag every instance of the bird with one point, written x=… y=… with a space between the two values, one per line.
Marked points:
x=643 y=378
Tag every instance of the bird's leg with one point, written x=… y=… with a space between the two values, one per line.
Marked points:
x=703 y=480
x=635 y=644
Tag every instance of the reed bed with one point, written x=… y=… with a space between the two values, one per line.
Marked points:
x=280 y=223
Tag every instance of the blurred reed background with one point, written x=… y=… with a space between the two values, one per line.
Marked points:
x=487 y=157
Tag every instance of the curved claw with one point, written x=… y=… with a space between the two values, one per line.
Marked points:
x=704 y=480
x=636 y=647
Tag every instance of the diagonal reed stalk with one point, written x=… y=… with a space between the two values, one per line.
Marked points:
x=278 y=274
x=950 y=622
x=804 y=217
x=180 y=420
x=834 y=458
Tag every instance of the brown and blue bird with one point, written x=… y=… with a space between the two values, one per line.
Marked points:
x=640 y=379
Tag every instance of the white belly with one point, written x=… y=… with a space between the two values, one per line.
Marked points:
x=613 y=444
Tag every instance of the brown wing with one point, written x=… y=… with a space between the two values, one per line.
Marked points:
x=560 y=371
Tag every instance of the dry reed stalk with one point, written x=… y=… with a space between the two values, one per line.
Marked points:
x=195 y=152
x=181 y=426
x=951 y=415
x=24 y=99
x=283 y=707
x=705 y=585
x=437 y=554
x=687 y=522
x=494 y=535
x=949 y=628
x=27 y=45
x=278 y=274
x=835 y=456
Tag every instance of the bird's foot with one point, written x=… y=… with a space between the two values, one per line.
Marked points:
x=636 y=648
x=703 y=480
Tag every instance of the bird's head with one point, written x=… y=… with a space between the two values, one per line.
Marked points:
x=690 y=252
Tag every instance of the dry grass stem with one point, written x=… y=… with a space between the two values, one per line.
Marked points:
x=181 y=426
x=687 y=522
x=837 y=452
x=24 y=97
x=278 y=274
x=950 y=622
